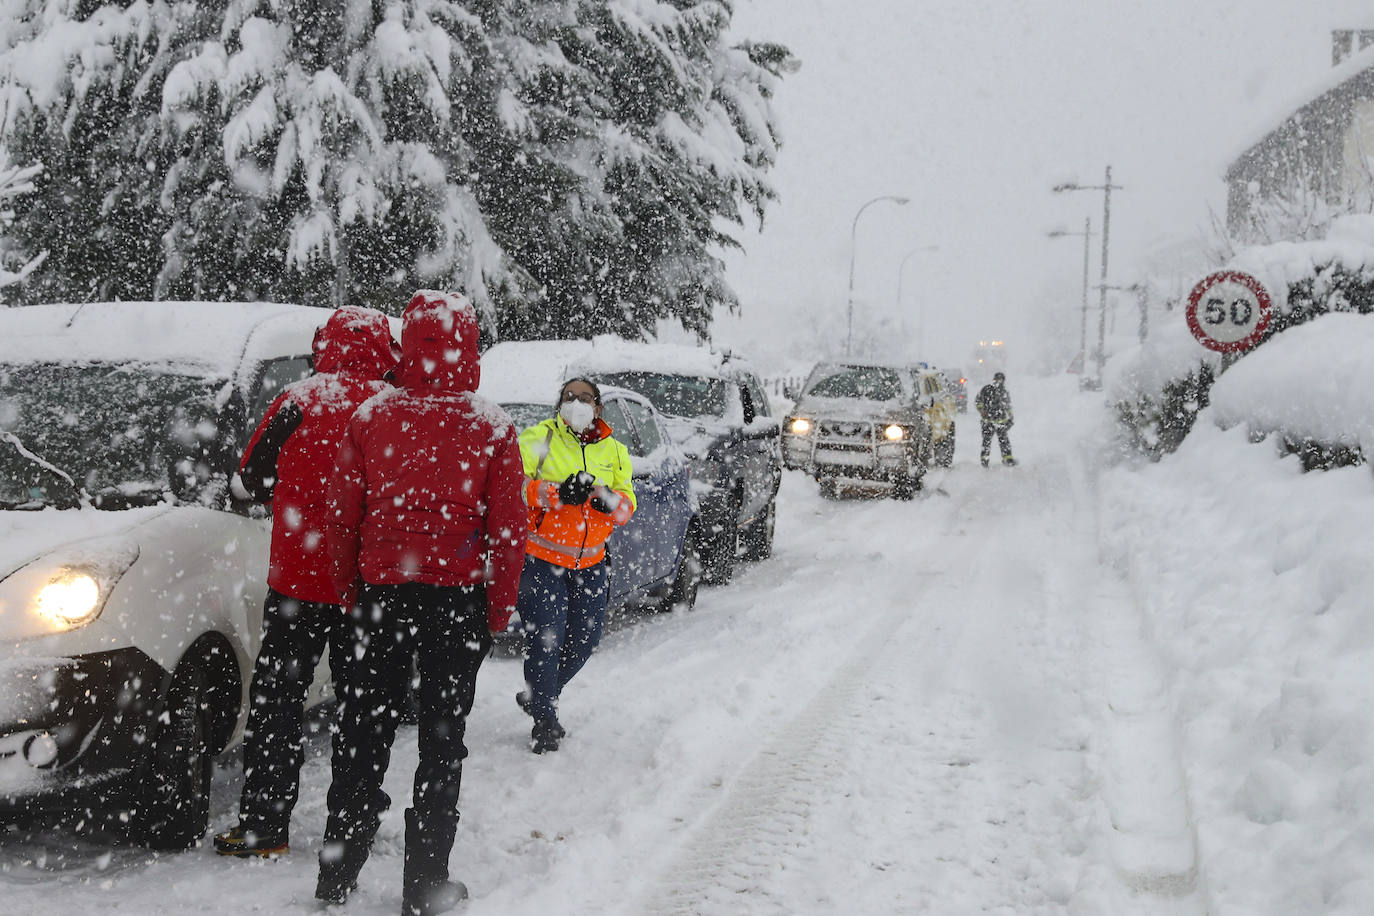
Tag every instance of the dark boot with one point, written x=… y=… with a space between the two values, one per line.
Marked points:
x=425 y=887
x=544 y=736
x=523 y=700
x=340 y=863
x=344 y=853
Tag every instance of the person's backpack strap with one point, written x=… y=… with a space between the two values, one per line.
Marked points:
x=548 y=440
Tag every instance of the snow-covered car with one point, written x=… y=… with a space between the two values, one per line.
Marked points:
x=861 y=422
x=653 y=560
x=940 y=405
x=717 y=411
x=131 y=582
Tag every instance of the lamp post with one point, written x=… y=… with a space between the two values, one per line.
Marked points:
x=900 y=270
x=1083 y=324
x=853 y=241
x=1106 y=188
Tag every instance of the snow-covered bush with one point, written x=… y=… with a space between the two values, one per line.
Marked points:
x=1159 y=390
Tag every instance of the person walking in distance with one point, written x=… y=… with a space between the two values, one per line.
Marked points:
x=578 y=490
x=994 y=412
x=428 y=525
x=289 y=460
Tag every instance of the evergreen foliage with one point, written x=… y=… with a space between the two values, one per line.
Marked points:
x=570 y=164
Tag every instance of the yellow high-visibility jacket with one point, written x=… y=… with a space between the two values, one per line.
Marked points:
x=574 y=536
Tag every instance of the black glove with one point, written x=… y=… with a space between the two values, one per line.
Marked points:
x=575 y=490
x=600 y=505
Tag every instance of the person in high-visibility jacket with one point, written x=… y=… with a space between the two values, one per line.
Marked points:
x=578 y=489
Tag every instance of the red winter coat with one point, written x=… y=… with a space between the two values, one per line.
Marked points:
x=290 y=457
x=428 y=480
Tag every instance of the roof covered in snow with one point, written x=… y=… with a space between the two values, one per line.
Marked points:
x=206 y=338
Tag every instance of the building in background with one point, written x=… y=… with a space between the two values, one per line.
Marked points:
x=1318 y=161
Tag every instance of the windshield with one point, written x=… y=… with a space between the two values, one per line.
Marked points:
x=872 y=383
x=119 y=432
x=677 y=395
x=524 y=415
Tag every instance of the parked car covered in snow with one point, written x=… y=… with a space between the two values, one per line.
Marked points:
x=131 y=582
x=717 y=411
x=653 y=560
x=861 y=422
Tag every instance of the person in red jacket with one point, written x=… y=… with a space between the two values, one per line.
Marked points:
x=288 y=461
x=427 y=521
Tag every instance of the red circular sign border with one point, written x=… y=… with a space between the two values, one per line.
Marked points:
x=1234 y=276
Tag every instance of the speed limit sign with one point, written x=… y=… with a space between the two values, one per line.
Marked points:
x=1228 y=311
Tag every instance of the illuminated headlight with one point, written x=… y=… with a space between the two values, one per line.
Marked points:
x=894 y=433
x=64 y=590
x=70 y=598
x=799 y=426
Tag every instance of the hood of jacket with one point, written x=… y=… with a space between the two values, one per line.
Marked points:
x=355 y=341
x=439 y=343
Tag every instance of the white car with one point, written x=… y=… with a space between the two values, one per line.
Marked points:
x=131 y=582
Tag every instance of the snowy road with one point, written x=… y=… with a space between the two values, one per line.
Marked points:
x=903 y=711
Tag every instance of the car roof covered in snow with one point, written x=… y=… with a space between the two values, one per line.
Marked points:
x=528 y=371
x=204 y=338
x=615 y=355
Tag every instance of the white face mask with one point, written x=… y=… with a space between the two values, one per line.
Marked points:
x=577 y=414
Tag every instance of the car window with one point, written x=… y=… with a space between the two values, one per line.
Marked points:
x=614 y=415
x=525 y=415
x=759 y=396
x=650 y=437
x=275 y=376
x=874 y=383
x=676 y=395
x=117 y=430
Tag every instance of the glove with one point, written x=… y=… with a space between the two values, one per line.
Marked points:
x=605 y=500
x=575 y=490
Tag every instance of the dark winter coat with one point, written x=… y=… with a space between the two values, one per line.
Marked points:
x=428 y=481
x=994 y=404
x=290 y=457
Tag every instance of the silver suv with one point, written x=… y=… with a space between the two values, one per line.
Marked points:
x=860 y=422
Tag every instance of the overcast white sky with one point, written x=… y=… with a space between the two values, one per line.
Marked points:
x=973 y=109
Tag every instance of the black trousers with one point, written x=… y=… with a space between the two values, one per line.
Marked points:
x=294 y=636
x=444 y=631
x=1003 y=439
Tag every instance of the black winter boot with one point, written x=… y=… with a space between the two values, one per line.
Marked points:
x=340 y=863
x=425 y=888
x=544 y=736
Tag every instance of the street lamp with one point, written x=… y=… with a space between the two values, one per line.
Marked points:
x=1083 y=324
x=853 y=240
x=1106 y=188
x=900 y=270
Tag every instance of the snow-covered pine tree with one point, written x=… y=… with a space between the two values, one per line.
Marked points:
x=631 y=133
x=568 y=162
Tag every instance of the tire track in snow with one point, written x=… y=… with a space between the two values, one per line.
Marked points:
x=763 y=816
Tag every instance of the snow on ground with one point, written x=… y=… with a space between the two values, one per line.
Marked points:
x=946 y=706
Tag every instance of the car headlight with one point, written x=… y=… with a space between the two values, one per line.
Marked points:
x=64 y=590
x=70 y=598
x=894 y=433
x=799 y=426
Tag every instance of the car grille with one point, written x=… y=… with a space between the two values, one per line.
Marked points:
x=838 y=429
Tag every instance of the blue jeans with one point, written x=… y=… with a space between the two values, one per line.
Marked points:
x=561 y=611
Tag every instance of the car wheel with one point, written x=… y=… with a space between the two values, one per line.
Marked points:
x=758 y=539
x=720 y=548
x=174 y=807
x=830 y=489
x=682 y=596
x=905 y=487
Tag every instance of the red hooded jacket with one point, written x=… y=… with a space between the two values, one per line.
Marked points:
x=428 y=481
x=290 y=457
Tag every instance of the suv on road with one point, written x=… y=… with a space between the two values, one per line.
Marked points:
x=715 y=408
x=862 y=422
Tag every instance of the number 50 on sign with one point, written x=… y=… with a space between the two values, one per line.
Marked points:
x=1228 y=311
